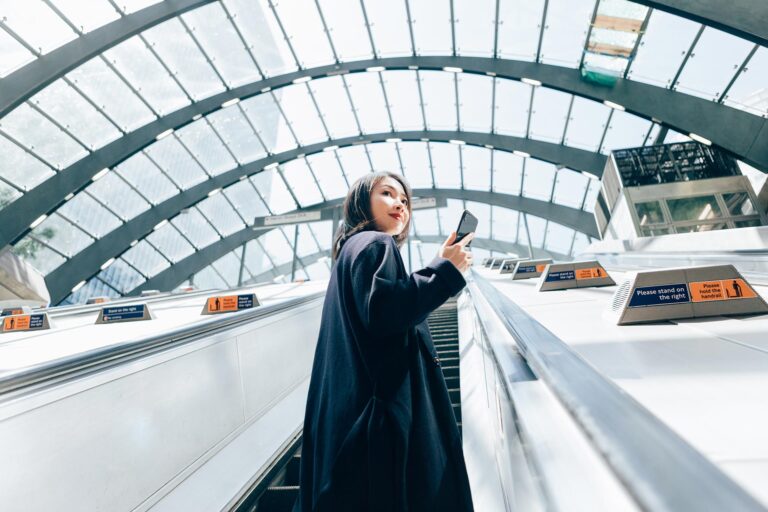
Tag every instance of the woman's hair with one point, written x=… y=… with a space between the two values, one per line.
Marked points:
x=357 y=209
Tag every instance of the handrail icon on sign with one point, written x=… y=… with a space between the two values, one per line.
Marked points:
x=736 y=290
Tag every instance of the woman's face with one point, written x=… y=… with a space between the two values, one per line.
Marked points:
x=389 y=206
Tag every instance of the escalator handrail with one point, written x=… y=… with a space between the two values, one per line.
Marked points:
x=656 y=466
x=104 y=357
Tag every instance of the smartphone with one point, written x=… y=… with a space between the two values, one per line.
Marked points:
x=467 y=225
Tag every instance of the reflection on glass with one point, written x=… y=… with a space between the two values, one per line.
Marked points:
x=747 y=223
x=649 y=213
x=694 y=208
x=701 y=227
x=739 y=203
x=654 y=231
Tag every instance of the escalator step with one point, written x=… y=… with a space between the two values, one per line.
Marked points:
x=450 y=371
x=292 y=471
x=457 y=412
x=279 y=499
x=455 y=395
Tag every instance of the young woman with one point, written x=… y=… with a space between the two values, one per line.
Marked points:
x=379 y=431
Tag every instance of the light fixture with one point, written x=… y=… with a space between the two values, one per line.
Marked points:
x=197 y=116
x=134 y=243
x=38 y=221
x=375 y=68
x=613 y=105
x=69 y=196
x=413 y=68
x=164 y=134
x=107 y=263
x=331 y=148
x=100 y=174
x=530 y=81
x=394 y=140
x=229 y=103
x=521 y=153
x=488 y=146
x=490 y=73
x=699 y=138
x=78 y=286
x=214 y=192
x=266 y=89
x=424 y=140
x=590 y=175
x=160 y=224
x=271 y=166
x=457 y=142
x=243 y=177
x=452 y=69
x=302 y=79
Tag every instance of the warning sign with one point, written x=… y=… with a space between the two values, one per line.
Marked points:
x=23 y=323
x=564 y=275
x=227 y=303
x=704 y=291
x=590 y=273
x=659 y=295
x=122 y=313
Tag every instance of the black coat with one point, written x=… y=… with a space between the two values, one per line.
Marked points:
x=379 y=430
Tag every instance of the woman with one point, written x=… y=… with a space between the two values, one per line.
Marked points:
x=379 y=431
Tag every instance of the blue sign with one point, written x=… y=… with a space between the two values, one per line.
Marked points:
x=118 y=313
x=244 y=301
x=527 y=269
x=660 y=295
x=36 y=321
x=565 y=275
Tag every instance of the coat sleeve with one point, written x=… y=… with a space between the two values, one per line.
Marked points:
x=387 y=304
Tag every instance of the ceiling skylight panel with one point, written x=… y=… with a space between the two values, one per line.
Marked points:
x=87 y=16
x=14 y=54
x=178 y=50
x=519 y=28
x=300 y=110
x=73 y=112
x=504 y=224
x=147 y=178
x=477 y=167
x=233 y=127
x=445 y=161
x=507 y=172
x=749 y=90
x=129 y=6
x=569 y=188
x=245 y=200
x=274 y=192
x=145 y=73
x=664 y=45
x=306 y=34
x=220 y=213
x=328 y=173
x=586 y=124
x=384 y=156
x=85 y=212
x=318 y=271
x=38 y=255
x=538 y=180
x=194 y=226
x=120 y=276
x=8 y=194
x=334 y=106
x=481 y=210
x=62 y=235
x=265 y=40
x=475 y=96
x=322 y=231
x=144 y=258
x=431 y=22
x=221 y=42
x=354 y=162
x=558 y=238
x=439 y=92
x=35 y=132
x=301 y=181
x=565 y=31
x=416 y=167
x=425 y=222
x=389 y=26
x=404 y=102
x=625 y=131
x=256 y=260
x=169 y=241
x=176 y=161
x=228 y=266
x=713 y=63
x=536 y=227
x=550 y=109
x=118 y=196
x=307 y=244
x=37 y=24
x=206 y=146
x=265 y=116
x=275 y=242
x=449 y=216
x=513 y=101
x=21 y=168
x=475 y=27
x=347 y=27
x=368 y=100
x=209 y=279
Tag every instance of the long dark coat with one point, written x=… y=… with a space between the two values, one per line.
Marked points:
x=379 y=430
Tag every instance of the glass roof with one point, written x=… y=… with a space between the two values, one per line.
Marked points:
x=229 y=43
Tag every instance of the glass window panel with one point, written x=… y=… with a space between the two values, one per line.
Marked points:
x=322 y=232
x=347 y=27
x=93 y=288
x=701 y=227
x=38 y=255
x=14 y=54
x=673 y=136
x=88 y=214
x=37 y=133
x=513 y=101
x=550 y=109
x=334 y=106
x=519 y=28
x=662 y=48
x=749 y=91
x=265 y=116
x=368 y=100
x=37 y=24
x=591 y=199
x=137 y=64
x=328 y=174
x=625 y=131
x=586 y=124
x=475 y=27
x=262 y=33
x=234 y=129
x=129 y=6
x=228 y=266
x=300 y=179
x=121 y=276
x=649 y=213
x=384 y=156
x=111 y=94
x=318 y=271
x=559 y=238
x=194 y=226
x=147 y=178
x=431 y=27
x=246 y=201
x=449 y=217
x=274 y=191
x=301 y=113
x=170 y=242
x=507 y=173
x=307 y=244
x=403 y=96
x=426 y=222
x=439 y=93
x=62 y=235
x=739 y=203
x=565 y=31
x=569 y=188
x=21 y=168
x=178 y=50
x=580 y=242
x=302 y=23
x=713 y=63
x=176 y=161
x=694 y=208
x=505 y=224
x=354 y=162
x=389 y=26
x=747 y=223
x=218 y=210
x=537 y=228
x=276 y=244
x=475 y=96
x=416 y=167
x=87 y=15
x=477 y=167
x=73 y=112
x=483 y=213
x=539 y=177
x=445 y=161
x=7 y=195
x=202 y=141
x=256 y=260
x=115 y=193
x=209 y=279
x=222 y=44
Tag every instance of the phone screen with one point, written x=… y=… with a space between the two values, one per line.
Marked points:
x=467 y=225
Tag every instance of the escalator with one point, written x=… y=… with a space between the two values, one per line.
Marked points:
x=277 y=492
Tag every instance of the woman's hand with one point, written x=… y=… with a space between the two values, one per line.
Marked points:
x=458 y=253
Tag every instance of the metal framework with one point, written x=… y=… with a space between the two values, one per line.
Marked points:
x=741 y=133
x=86 y=264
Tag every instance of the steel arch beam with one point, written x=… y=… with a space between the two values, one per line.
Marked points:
x=87 y=262
x=285 y=268
x=743 y=134
x=24 y=83
x=745 y=19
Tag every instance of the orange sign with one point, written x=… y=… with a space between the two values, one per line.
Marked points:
x=13 y=311
x=590 y=273
x=540 y=268
x=703 y=291
x=220 y=304
x=16 y=323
